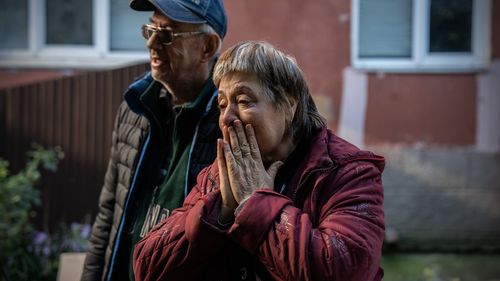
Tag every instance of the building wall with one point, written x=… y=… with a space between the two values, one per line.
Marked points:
x=440 y=134
x=319 y=37
x=430 y=109
x=441 y=189
x=442 y=198
x=316 y=35
x=495 y=30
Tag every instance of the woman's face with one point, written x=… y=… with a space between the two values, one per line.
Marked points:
x=241 y=97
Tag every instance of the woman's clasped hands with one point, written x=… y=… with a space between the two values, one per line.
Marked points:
x=241 y=169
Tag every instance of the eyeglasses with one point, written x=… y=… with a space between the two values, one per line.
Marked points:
x=165 y=35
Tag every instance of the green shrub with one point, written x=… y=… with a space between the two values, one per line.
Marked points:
x=18 y=196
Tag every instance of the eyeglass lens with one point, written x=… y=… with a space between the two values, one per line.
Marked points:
x=164 y=35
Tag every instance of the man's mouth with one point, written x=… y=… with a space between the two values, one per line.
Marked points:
x=156 y=61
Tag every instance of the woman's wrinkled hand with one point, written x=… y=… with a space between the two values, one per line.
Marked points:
x=229 y=204
x=241 y=169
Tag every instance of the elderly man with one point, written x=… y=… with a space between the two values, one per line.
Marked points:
x=165 y=131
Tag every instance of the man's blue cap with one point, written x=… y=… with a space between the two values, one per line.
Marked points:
x=188 y=11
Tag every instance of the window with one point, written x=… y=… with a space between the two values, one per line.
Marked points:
x=14 y=24
x=420 y=35
x=450 y=26
x=68 y=32
x=68 y=22
x=123 y=21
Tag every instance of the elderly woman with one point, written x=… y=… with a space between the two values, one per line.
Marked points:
x=285 y=199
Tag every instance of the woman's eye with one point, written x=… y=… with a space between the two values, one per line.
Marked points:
x=243 y=101
x=222 y=105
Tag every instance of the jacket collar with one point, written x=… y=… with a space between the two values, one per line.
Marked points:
x=326 y=149
x=316 y=157
x=327 y=152
x=142 y=96
x=146 y=84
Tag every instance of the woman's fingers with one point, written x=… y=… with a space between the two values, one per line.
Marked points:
x=221 y=161
x=228 y=202
x=239 y=140
x=243 y=163
x=273 y=169
x=225 y=134
x=252 y=143
x=235 y=145
x=234 y=173
x=242 y=138
x=225 y=188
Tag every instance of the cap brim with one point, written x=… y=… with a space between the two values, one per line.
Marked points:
x=141 y=5
x=171 y=9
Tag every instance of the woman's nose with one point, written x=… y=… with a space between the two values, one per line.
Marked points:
x=228 y=115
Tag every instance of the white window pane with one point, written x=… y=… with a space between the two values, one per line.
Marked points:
x=451 y=26
x=125 y=33
x=69 y=22
x=14 y=24
x=385 y=28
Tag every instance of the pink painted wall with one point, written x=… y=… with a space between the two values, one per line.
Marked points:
x=434 y=109
x=316 y=33
x=495 y=29
x=431 y=109
x=402 y=108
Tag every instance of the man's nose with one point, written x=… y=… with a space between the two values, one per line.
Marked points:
x=153 y=41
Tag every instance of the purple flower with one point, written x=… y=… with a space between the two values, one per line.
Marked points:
x=40 y=238
x=46 y=251
x=73 y=246
x=85 y=231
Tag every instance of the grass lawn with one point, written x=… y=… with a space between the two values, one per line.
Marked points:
x=441 y=267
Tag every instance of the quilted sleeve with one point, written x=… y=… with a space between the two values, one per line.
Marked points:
x=182 y=246
x=344 y=245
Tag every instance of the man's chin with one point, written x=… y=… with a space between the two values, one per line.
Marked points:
x=158 y=76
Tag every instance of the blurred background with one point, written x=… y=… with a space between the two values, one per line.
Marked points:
x=417 y=81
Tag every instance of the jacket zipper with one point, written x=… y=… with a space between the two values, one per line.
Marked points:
x=195 y=137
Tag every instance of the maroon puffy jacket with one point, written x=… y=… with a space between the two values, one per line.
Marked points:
x=330 y=227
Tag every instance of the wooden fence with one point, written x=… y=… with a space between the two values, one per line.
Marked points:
x=75 y=112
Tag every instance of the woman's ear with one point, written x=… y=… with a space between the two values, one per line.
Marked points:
x=293 y=104
x=290 y=110
x=211 y=46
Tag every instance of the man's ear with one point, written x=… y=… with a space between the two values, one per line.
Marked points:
x=211 y=45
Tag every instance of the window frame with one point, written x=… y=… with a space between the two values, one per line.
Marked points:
x=32 y=35
x=68 y=50
x=421 y=60
x=38 y=53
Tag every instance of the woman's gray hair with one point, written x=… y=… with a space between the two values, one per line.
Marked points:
x=281 y=79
